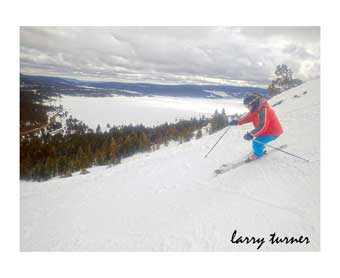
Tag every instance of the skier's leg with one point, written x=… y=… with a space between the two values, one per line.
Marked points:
x=259 y=144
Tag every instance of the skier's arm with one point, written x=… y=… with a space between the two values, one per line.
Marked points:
x=246 y=119
x=263 y=123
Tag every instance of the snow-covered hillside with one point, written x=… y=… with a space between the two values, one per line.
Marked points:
x=169 y=200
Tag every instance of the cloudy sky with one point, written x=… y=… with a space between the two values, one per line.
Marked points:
x=170 y=55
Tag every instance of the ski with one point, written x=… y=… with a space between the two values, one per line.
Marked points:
x=231 y=166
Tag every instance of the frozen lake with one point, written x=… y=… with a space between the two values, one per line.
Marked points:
x=149 y=111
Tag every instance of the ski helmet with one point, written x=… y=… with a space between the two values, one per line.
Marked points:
x=252 y=101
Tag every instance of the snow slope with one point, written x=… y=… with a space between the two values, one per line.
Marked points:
x=169 y=200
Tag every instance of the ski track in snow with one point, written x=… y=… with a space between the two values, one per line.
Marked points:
x=169 y=200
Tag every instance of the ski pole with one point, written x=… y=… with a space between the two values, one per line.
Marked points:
x=282 y=151
x=218 y=141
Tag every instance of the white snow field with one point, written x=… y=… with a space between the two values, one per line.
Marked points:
x=169 y=200
x=149 y=111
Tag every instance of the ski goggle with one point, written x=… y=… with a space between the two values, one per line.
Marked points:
x=249 y=105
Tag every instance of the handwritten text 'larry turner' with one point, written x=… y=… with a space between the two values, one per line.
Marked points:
x=273 y=239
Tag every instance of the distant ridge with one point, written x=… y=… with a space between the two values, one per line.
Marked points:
x=205 y=91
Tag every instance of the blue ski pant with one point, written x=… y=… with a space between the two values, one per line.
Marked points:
x=259 y=144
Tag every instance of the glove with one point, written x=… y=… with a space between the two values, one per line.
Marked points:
x=233 y=122
x=248 y=136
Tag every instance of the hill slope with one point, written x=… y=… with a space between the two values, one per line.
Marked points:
x=170 y=200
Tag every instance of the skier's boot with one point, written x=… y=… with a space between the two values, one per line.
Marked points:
x=252 y=157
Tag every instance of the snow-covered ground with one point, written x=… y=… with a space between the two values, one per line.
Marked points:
x=169 y=200
x=149 y=111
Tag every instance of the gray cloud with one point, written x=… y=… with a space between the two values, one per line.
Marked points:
x=302 y=33
x=236 y=55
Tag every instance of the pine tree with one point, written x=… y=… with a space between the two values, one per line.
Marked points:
x=83 y=159
x=144 y=142
x=284 y=80
x=223 y=113
x=98 y=129
x=218 y=121
x=113 y=150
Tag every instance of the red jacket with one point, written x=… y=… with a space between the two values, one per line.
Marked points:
x=265 y=121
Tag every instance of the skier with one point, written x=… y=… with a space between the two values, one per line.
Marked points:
x=267 y=125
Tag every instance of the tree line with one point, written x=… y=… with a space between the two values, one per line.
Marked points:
x=46 y=156
x=32 y=112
